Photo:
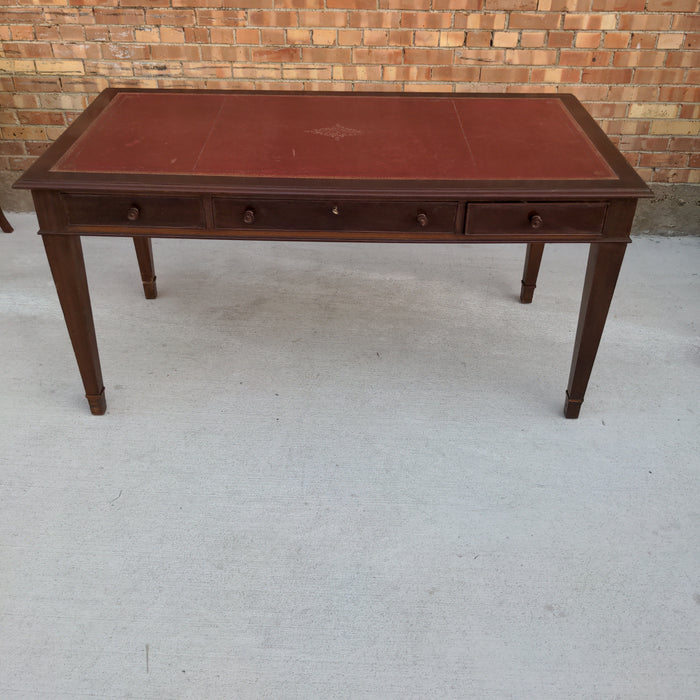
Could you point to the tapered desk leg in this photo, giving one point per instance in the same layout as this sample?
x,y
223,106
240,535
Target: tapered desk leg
x,y
604,261
65,255
144,254
533,258
5,224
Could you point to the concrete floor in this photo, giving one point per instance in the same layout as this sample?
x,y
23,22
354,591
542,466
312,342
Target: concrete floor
x,y
342,471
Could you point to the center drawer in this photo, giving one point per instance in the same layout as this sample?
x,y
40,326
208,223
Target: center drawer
x,y
332,215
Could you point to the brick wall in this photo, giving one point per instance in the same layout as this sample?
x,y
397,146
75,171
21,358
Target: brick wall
x,y
634,63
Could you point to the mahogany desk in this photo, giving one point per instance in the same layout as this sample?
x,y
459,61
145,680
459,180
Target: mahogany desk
x,y
437,168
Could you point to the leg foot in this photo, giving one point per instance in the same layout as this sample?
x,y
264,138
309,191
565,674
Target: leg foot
x,y
144,255
572,407
604,261
98,404
533,258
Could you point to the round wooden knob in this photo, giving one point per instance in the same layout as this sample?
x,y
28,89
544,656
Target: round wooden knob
x,y
248,216
422,218
133,213
535,221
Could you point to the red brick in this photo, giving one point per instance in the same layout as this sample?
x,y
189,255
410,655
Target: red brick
x,y
12,16
687,23
618,5
539,20
37,84
381,20
656,160
461,74
585,58
51,33
658,76
690,144
21,32
176,52
404,4
263,18
227,53
510,5
33,49
560,40
220,18
639,58
616,40
502,74
555,75
386,56
606,75
643,143
683,59
426,20
679,93
400,37
690,112
12,148
409,73
460,5
645,22
643,40
479,39
271,55
119,16
633,93
42,117
323,55
481,56
542,57
351,4
672,6
196,35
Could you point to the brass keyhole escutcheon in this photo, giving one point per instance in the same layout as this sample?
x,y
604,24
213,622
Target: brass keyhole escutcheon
x,y
335,209
422,218
248,216
133,213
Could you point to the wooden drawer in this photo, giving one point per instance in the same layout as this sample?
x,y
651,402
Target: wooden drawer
x,y
525,219
329,215
137,211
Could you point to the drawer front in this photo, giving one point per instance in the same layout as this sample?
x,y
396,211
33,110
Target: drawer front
x,y
539,218
134,211
329,215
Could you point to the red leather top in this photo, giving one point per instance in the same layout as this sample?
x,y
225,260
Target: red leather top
x,y
337,136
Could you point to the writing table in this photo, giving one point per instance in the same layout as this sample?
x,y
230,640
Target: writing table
x,y
422,168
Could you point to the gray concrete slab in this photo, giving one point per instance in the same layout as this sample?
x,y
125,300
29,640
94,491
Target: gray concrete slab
x,y
342,470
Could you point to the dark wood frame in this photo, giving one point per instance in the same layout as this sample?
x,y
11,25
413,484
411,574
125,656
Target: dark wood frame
x,y
612,200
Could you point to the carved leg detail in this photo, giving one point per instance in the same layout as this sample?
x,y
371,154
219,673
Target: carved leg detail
x,y
533,258
604,261
144,255
65,256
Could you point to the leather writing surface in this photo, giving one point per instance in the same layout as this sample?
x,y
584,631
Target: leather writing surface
x,y
337,136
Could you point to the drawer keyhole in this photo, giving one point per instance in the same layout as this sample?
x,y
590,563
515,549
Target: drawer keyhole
x,y
133,213
248,216
422,219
